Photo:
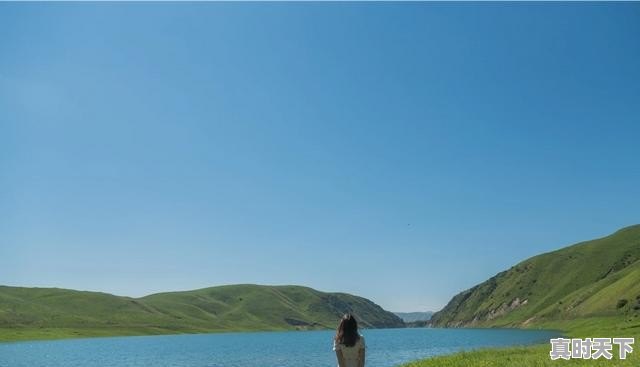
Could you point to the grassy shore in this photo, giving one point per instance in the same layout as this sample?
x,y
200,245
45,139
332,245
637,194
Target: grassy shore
x,y
24,334
538,355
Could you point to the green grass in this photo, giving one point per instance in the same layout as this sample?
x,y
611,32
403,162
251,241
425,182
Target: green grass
x,y
537,356
21,334
50,313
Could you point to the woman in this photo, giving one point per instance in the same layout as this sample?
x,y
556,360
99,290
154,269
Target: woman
x,y
348,344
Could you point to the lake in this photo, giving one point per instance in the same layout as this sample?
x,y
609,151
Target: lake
x,y
385,348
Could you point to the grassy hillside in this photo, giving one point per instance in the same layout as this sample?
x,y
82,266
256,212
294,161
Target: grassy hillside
x,y
594,279
591,289
29,313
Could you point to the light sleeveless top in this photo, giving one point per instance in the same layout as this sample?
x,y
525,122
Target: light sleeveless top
x,y
350,354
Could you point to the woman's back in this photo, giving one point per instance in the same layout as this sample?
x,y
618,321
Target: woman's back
x,y
348,343
351,355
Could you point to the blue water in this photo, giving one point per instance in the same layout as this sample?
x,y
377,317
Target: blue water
x,y
385,348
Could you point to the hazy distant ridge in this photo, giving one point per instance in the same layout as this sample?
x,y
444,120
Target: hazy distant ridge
x,y
414,316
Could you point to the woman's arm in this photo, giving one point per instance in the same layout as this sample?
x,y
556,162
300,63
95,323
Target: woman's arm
x,y
361,357
340,358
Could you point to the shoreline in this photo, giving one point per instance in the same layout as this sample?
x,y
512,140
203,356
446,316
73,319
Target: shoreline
x,y
53,334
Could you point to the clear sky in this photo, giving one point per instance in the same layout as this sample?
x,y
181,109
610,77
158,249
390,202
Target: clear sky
x,y
402,152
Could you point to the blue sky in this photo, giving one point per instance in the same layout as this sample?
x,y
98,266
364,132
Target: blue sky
x,y
402,152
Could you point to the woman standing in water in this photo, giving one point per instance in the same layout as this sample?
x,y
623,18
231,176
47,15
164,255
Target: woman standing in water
x,y
348,344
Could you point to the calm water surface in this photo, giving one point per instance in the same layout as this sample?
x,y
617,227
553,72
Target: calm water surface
x,y
385,348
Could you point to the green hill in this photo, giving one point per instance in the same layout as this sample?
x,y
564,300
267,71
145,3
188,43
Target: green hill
x,y
598,279
27,313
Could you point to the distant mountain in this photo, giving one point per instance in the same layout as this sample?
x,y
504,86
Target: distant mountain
x,y
52,312
414,316
598,278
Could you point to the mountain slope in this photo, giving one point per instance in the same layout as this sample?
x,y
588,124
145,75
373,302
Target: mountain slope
x,y
598,278
236,307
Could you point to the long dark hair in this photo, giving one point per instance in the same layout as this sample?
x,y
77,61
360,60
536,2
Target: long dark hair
x,y
347,333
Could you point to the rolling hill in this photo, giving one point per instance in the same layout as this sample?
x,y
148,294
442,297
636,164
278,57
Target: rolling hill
x,y
596,279
27,313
